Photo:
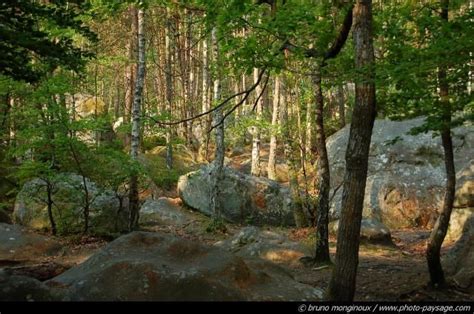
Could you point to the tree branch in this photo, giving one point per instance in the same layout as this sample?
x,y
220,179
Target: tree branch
x,y
220,105
239,104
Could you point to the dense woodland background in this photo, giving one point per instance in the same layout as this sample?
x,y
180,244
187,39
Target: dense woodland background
x,y
126,93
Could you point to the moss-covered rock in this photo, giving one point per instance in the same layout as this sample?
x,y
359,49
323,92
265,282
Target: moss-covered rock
x,y
69,199
243,198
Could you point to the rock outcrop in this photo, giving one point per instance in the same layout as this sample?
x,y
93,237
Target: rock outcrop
x,y
405,183
144,266
371,231
461,257
68,194
269,245
18,244
23,289
163,211
243,198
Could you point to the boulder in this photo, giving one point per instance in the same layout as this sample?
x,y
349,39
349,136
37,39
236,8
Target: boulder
x,y
18,244
457,221
105,214
269,245
23,289
371,231
143,266
465,187
243,198
163,211
461,257
406,175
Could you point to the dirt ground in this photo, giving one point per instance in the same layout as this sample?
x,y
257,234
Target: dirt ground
x,y
385,273
397,273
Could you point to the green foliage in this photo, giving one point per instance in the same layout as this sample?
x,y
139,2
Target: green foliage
x,y
418,42
38,37
216,226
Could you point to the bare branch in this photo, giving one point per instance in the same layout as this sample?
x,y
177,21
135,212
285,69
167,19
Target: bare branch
x,y
239,104
219,106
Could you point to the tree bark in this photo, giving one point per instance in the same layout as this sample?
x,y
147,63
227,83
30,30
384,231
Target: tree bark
x,y
440,229
136,111
255,169
206,125
218,166
130,70
341,106
343,279
169,88
288,141
273,139
322,241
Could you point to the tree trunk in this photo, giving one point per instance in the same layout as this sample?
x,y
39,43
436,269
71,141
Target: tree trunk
x,y
298,213
218,166
343,279
50,203
130,70
441,226
206,106
322,242
341,106
169,88
273,139
309,141
255,170
135,138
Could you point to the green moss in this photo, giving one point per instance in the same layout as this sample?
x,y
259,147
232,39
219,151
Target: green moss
x,y
216,226
430,155
162,176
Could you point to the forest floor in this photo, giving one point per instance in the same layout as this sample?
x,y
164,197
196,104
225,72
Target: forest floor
x,y
385,273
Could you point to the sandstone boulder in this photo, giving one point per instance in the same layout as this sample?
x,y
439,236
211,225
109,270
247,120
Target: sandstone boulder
x,y
163,211
144,266
406,177
244,198
269,245
371,231
461,257
106,214
18,244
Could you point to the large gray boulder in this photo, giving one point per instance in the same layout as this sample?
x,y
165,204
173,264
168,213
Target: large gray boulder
x,y
243,198
143,266
460,259
371,231
18,244
23,289
163,211
406,177
105,213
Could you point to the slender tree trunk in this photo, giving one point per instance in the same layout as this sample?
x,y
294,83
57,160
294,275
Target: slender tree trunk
x,y
343,279
130,69
273,139
255,170
298,213
49,192
341,106
137,101
218,164
169,88
322,240
204,145
309,141
441,226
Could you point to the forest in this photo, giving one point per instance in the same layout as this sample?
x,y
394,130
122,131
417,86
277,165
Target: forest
x,y
237,150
